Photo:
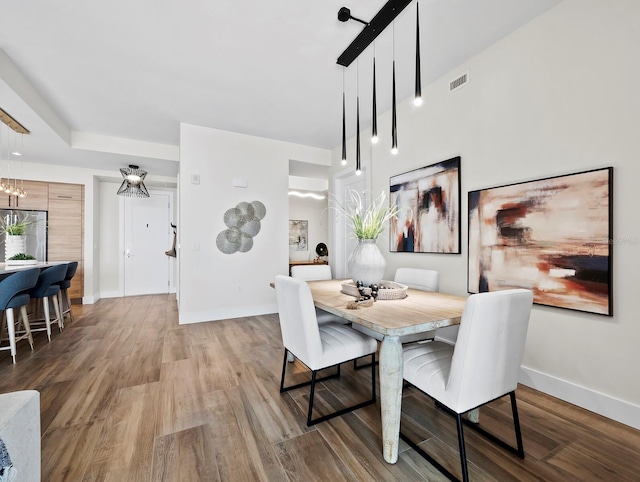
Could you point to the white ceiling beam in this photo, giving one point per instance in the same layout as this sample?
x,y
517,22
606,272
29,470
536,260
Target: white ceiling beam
x,y
119,145
21,86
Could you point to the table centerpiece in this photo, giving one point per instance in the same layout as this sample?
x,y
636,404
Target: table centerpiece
x,y
366,263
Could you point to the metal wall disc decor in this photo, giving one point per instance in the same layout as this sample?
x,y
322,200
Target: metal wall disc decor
x,y
243,223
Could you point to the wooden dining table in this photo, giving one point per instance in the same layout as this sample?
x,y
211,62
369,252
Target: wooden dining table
x,y
420,311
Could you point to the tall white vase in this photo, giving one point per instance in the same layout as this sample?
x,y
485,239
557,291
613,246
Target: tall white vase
x,y
366,263
13,245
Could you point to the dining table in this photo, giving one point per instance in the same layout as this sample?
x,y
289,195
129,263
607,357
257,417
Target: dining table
x,y
418,312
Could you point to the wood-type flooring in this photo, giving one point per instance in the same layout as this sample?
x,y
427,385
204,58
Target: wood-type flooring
x,y
127,394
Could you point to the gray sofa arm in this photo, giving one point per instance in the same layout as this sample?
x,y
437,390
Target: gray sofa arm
x,y
20,431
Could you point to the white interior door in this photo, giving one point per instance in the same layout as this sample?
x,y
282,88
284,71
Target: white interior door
x,y
344,240
147,235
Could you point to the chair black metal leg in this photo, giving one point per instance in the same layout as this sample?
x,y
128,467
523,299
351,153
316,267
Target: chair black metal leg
x,y
303,384
284,369
516,424
463,452
313,382
429,458
311,394
463,456
358,367
373,377
519,450
310,421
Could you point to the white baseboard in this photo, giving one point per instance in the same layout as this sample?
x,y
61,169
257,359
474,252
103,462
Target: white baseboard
x,y
89,300
111,294
605,405
225,314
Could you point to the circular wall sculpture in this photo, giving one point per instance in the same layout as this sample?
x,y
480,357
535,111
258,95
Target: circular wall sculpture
x,y
243,223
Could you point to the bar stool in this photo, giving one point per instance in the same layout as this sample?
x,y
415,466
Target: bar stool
x,y
47,290
64,285
14,294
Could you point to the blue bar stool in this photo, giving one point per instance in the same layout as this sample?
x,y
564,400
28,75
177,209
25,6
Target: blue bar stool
x,y
14,294
47,290
64,285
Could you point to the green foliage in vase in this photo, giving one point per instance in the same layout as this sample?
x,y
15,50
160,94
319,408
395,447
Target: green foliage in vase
x,y
366,222
21,257
15,227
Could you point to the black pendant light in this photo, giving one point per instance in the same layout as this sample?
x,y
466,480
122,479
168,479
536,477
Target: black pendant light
x,y
417,99
374,114
344,125
358,166
394,126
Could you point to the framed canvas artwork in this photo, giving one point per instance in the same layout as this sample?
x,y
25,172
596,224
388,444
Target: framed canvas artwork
x,y
428,202
298,234
552,236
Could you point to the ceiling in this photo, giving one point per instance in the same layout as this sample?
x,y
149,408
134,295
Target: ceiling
x,y
106,84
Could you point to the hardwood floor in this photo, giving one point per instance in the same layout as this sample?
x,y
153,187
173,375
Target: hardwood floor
x,y
129,395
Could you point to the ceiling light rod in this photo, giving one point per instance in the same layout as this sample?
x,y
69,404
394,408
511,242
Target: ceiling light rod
x,y
370,32
12,123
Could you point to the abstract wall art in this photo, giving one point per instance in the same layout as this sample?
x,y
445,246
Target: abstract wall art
x,y
428,201
298,234
552,236
243,224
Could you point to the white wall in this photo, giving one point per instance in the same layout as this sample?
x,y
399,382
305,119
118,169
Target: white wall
x,y
316,213
558,96
214,285
110,254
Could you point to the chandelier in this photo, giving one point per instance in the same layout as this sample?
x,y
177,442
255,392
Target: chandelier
x,y
133,185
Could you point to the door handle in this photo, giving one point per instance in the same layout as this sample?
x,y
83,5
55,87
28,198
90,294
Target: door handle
x,y
129,255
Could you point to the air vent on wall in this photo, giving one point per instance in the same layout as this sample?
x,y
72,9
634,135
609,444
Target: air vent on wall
x,y
459,82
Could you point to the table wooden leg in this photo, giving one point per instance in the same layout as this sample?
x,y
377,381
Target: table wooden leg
x,y
474,415
391,367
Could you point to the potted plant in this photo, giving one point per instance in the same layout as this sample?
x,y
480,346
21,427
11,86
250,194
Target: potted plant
x,y
21,259
367,223
14,229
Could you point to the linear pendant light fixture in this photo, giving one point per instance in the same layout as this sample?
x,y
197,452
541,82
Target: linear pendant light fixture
x,y
344,125
417,99
394,124
358,166
369,33
372,29
374,110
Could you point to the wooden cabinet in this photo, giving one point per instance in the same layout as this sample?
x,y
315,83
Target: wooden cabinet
x,y
66,192
37,197
66,230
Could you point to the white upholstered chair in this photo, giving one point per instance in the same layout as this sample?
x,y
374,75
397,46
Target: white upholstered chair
x,y
311,272
419,279
317,346
482,366
317,272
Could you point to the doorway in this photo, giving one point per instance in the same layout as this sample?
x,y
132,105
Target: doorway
x,y
147,235
343,239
